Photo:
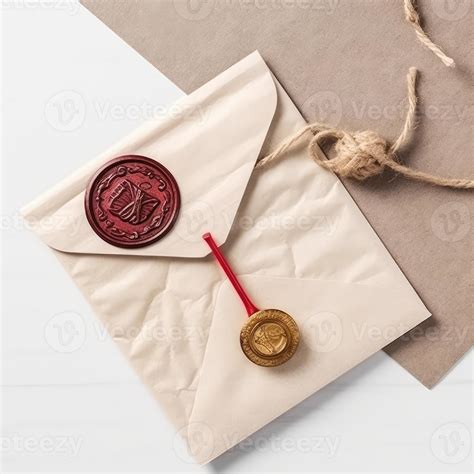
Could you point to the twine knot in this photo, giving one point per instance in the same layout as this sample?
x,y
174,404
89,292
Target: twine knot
x,y
361,155
358,155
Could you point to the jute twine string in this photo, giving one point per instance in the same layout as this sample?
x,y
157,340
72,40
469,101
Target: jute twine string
x,y
413,17
364,154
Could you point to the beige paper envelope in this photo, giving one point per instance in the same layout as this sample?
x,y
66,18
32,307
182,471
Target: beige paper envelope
x,y
291,231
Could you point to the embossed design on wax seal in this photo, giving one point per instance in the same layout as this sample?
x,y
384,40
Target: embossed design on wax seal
x,y
132,201
269,338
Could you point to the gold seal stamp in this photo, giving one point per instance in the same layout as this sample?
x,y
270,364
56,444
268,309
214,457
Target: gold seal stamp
x,y
269,338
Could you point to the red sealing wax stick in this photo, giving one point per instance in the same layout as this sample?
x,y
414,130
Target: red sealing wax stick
x,y
249,306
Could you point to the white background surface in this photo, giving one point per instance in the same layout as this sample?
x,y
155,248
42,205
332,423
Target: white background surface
x,y
71,88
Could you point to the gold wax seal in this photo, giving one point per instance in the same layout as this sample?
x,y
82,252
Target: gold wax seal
x,y
269,338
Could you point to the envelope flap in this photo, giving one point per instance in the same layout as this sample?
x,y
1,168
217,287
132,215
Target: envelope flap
x,y
340,324
210,145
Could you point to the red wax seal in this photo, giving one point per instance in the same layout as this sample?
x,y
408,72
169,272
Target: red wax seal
x,y
132,201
